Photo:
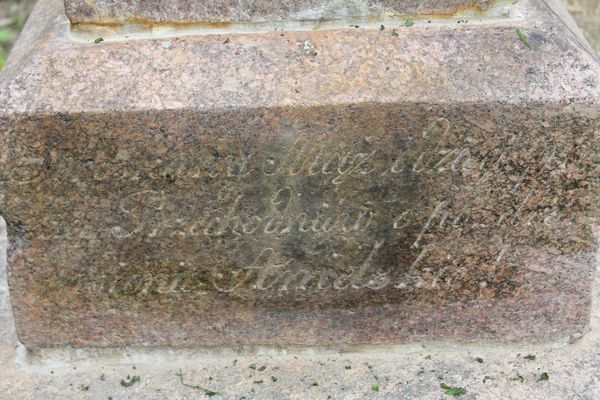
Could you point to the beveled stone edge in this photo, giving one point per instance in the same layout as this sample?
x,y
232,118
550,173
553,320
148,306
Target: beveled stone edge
x,y
50,36
559,8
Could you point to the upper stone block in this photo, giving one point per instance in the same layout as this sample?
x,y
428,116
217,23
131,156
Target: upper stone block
x,y
184,11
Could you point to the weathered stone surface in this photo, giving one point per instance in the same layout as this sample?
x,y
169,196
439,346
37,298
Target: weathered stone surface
x,y
340,186
184,11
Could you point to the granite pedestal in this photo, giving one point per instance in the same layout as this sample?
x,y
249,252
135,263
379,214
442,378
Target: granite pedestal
x,y
381,183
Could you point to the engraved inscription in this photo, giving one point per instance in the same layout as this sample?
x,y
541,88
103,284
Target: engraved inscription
x,y
306,217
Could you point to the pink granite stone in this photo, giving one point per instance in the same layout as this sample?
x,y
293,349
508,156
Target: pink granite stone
x,y
185,11
357,186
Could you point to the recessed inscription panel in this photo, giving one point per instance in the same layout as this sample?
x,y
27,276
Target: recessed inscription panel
x,y
442,223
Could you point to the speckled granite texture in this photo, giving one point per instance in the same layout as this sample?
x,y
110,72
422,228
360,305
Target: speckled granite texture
x,y
390,372
357,186
185,11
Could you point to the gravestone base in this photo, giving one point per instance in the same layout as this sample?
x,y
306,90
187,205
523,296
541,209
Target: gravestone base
x,y
365,185
487,370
